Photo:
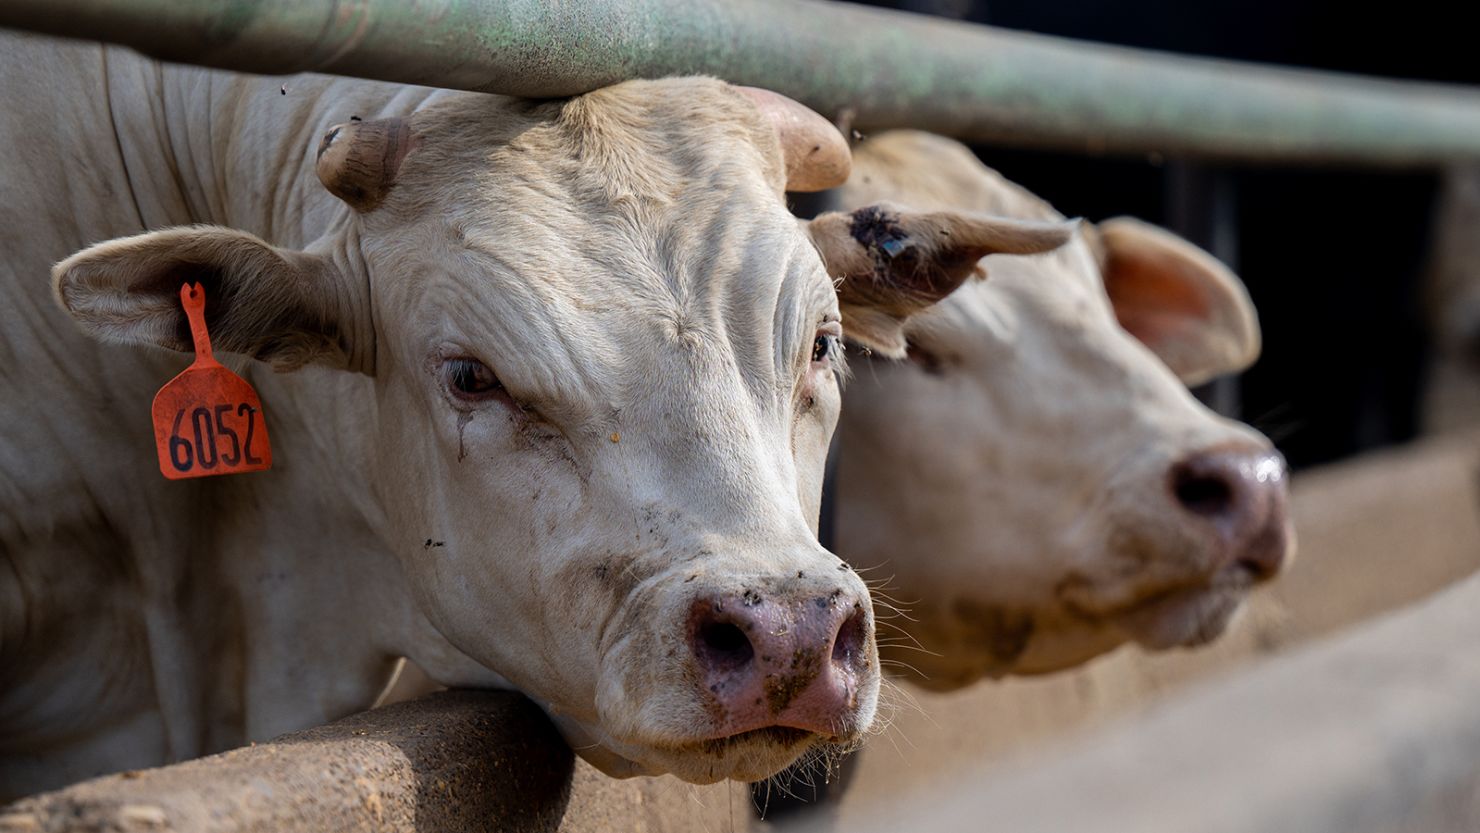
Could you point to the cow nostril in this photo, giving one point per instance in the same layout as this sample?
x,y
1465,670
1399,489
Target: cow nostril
x,y
848,646
723,646
1202,493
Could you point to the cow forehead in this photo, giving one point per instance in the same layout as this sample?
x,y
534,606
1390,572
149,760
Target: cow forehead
x,y
585,312
1022,295
664,189
592,234
631,147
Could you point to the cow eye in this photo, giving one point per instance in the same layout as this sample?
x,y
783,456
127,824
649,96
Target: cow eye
x,y
471,379
822,348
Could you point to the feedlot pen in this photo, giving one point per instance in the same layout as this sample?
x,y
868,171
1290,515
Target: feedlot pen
x,y
1347,699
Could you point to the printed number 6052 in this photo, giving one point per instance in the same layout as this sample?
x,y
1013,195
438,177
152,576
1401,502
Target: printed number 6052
x,y
207,429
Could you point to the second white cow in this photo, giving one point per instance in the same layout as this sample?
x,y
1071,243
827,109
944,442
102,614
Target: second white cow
x,y
1037,485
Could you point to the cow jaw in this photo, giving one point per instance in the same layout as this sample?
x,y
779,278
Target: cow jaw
x,y
1187,618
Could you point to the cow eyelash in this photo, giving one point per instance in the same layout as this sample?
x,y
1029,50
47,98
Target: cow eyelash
x,y
471,379
822,348
827,344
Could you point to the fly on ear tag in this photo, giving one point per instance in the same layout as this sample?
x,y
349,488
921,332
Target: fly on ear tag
x,y
208,420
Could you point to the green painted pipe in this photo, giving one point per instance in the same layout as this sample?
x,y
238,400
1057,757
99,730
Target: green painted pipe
x,y
888,69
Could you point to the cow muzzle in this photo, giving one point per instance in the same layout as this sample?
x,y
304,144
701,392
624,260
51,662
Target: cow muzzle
x,y
712,671
1240,496
796,657
1180,565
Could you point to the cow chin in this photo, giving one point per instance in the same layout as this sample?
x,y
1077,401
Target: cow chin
x,y
645,724
1187,618
960,646
748,756
1183,609
966,641
687,741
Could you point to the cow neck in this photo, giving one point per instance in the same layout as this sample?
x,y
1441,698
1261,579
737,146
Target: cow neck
x,y
239,149
174,619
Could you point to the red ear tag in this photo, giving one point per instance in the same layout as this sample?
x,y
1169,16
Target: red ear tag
x,y
208,420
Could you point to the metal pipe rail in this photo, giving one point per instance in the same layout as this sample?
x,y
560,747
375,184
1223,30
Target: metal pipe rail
x,y
888,69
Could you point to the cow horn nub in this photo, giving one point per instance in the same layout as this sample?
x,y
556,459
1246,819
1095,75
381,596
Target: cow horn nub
x,y
358,160
816,154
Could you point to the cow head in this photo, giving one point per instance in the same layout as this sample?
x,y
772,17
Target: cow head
x,y
605,374
1037,479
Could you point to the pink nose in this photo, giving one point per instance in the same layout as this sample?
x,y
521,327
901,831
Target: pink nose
x,y
794,662
1242,494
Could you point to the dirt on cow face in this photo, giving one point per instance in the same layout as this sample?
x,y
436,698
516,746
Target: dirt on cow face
x,y
878,229
1005,633
806,664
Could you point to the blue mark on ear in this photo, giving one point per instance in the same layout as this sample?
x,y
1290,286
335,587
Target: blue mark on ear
x,y
894,247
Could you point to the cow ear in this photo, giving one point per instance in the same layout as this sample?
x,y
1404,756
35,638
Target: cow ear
x,y
283,307
1178,300
892,262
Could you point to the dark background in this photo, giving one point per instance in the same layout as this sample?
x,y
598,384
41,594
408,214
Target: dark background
x,y
1334,258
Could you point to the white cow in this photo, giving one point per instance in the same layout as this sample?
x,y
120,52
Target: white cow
x,y
1037,481
556,384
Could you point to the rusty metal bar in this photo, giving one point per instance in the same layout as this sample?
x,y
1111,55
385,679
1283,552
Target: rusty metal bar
x,y
888,68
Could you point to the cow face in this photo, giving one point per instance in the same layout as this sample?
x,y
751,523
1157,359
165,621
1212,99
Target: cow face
x,y
604,362
1037,480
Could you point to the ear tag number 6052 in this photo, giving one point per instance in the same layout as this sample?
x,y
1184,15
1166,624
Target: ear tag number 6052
x,y
208,420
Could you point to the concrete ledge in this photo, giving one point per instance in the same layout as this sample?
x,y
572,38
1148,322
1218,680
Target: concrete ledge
x,y
453,761
1370,731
